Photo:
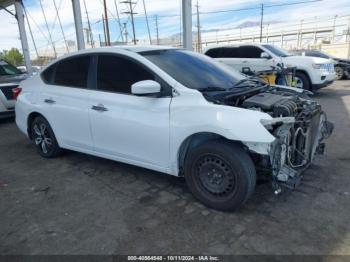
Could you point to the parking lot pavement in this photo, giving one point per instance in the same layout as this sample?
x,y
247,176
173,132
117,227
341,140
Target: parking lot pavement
x,y
79,204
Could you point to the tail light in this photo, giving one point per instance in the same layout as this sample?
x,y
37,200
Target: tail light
x,y
16,91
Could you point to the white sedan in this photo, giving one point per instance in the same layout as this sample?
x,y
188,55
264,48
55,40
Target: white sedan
x,y
176,112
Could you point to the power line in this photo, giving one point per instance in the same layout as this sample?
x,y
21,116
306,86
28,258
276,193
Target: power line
x,y
149,32
120,24
132,13
30,30
59,21
47,26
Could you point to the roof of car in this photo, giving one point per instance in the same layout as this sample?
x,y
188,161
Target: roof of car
x,y
132,48
234,45
111,49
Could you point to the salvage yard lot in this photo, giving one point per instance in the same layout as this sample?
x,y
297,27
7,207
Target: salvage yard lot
x,y
79,204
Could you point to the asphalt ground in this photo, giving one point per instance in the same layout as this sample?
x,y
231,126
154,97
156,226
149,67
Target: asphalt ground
x,y
80,204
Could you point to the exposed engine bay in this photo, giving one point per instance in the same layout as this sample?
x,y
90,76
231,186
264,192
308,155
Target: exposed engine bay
x,y
299,126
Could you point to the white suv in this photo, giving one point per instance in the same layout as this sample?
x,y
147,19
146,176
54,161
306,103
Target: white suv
x,y
312,73
177,112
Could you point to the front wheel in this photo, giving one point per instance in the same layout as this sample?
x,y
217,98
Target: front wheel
x,y
44,139
340,72
302,81
220,174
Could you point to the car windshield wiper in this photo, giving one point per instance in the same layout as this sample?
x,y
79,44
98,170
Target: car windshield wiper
x,y
244,82
212,88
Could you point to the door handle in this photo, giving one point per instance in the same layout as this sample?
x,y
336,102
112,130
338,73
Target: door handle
x,y
49,101
99,108
245,61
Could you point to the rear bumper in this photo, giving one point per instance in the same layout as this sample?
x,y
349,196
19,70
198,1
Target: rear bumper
x,y
7,114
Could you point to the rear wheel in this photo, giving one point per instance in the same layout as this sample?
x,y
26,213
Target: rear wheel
x,y
302,81
44,139
340,72
220,174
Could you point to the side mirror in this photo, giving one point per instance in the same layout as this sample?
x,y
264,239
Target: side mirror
x,y
265,55
146,87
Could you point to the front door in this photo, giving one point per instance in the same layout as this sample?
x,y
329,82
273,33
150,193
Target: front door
x,y
129,128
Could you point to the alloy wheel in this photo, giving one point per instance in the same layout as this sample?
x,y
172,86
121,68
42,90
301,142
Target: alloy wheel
x,y
299,82
42,137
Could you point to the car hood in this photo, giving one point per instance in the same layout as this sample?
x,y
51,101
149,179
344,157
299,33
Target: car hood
x,y
298,60
342,61
14,79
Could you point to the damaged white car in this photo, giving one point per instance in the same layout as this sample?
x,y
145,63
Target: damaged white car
x,y
176,112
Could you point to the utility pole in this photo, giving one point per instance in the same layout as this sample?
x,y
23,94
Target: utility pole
x,y
89,26
157,29
119,23
199,42
59,21
47,27
334,22
78,23
106,23
131,13
300,40
126,33
187,24
261,22
104,30
22,32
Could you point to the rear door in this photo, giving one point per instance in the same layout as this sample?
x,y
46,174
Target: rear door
x,y
227,55
65,101
245,57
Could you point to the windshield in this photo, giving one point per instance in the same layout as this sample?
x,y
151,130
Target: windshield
x,y
194,70
277,51
324,55
7,69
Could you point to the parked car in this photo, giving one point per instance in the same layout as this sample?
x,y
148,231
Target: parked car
x,y
312,73
10,77
176,112
35,69
342,66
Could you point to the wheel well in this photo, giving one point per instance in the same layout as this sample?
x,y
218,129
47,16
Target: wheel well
x,y
30,120
306,74
196,140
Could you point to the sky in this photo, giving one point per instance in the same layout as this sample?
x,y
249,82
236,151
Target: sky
x,y
168,12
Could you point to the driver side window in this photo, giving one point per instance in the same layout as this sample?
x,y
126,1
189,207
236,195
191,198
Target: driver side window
x,y
118,74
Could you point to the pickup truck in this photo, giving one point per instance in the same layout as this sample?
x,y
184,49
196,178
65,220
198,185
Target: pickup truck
x,y
312,73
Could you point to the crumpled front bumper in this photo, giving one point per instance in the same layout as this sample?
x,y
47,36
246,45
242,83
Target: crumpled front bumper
x,y
295,148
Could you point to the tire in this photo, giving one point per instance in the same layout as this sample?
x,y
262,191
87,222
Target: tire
x,y
219,174
302,81
44,138
340,72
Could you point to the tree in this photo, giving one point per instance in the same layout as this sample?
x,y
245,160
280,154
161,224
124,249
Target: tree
x,y
13,56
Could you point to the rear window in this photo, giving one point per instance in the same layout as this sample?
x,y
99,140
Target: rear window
x,y
47,75
71,72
